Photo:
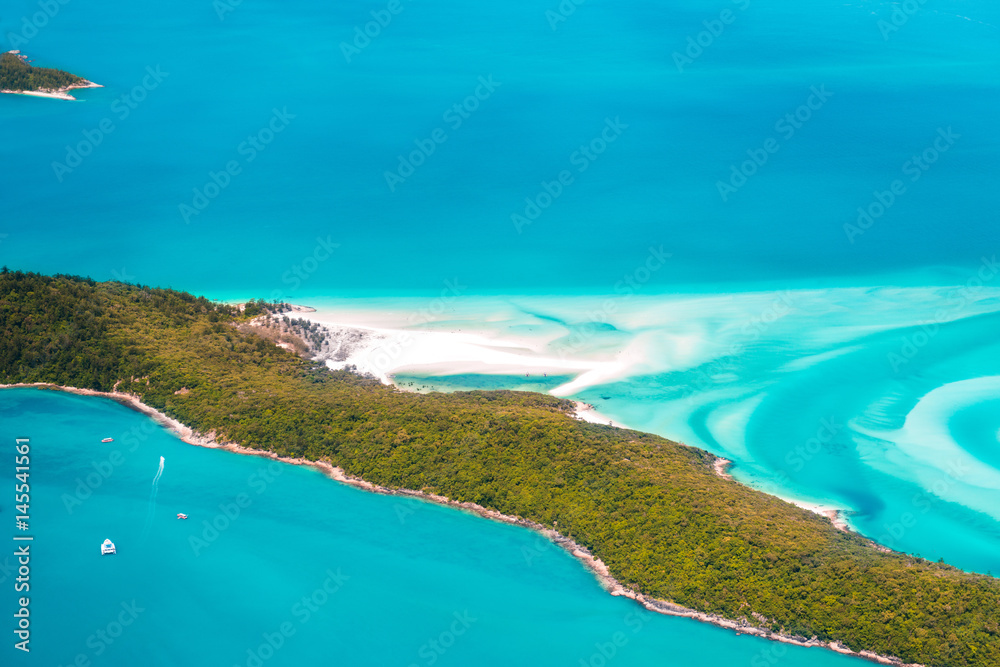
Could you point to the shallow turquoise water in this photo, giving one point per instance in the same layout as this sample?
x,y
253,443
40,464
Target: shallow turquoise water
x,y
323,176
473,382
881,402
311,216
975,425
399,570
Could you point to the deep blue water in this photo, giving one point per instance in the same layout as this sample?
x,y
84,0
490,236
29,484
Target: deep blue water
x,y
622,152
323,175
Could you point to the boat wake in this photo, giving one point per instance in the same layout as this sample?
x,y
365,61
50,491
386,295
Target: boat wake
x,y
151,513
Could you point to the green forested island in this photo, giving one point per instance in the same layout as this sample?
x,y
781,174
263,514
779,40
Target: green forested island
x,y
16,75
653,510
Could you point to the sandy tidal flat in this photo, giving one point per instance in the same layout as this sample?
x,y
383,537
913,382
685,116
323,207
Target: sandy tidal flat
x,y
815,395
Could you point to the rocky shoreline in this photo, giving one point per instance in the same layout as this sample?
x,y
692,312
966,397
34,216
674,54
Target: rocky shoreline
x,y
57,94
581,553
52,93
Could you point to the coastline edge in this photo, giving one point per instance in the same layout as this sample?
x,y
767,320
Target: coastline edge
x,y
581,553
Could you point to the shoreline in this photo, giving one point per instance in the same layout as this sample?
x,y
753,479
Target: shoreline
x,y
834,515
382,352
721,467
386,344
369,338
58,94
590,562
51,93
588,413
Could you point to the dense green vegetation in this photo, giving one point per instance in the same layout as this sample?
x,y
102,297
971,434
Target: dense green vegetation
x,y
15,74
651,509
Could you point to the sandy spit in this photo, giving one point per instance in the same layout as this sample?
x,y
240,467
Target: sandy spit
x,y
60,94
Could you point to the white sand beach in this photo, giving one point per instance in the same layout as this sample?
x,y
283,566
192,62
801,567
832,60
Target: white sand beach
x,y
386,343
60,94
372,347
394,340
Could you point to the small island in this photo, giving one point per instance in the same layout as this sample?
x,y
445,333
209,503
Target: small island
x,y
653,519
17,76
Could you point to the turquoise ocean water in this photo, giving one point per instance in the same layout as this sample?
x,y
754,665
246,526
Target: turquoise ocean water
x,y
323,175
881,402
241,150
275,555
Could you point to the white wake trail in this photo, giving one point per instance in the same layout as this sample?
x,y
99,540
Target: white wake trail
x,y
151,513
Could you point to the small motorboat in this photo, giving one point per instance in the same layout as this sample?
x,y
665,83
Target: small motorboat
x,y
108,440
108,548
182,516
